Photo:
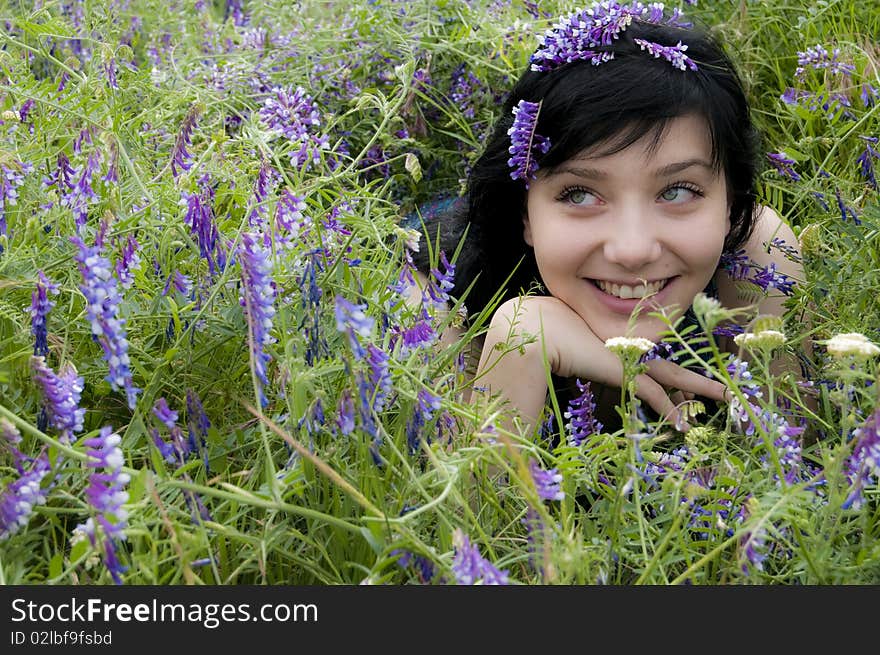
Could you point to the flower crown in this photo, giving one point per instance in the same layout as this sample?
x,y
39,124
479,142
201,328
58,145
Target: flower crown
x,y
585,35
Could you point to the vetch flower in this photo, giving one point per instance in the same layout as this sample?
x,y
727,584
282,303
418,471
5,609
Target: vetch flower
x,y
862,467
525,144
11,179
769,278
547,483
62,393
674,54
469,567
128,262
427,405
258,300
582,422
851,344
18,501
200,219
106,495
784,165
40,306
180,156
294,115
102,308
351,319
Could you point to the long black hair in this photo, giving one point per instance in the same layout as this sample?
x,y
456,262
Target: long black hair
x,y
611,105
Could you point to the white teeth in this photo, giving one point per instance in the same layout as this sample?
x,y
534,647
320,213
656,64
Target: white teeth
x,y
627,292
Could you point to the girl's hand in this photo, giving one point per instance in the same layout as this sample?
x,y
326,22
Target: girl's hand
x,y
514,367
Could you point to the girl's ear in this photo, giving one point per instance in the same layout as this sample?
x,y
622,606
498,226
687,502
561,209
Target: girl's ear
x,y
527,229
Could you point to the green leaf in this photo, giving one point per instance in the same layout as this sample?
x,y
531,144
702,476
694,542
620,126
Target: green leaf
x,y
56,565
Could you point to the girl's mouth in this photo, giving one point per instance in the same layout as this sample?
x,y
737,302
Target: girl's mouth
x,y
628,292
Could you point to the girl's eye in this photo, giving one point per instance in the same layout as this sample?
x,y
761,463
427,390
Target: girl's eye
x,y
679,194
579,196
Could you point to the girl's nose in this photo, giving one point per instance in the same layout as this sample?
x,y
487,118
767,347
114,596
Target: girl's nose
x,y
633,242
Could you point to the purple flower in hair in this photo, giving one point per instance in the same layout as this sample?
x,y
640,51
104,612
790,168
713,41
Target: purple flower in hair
x,y
674,54
525,143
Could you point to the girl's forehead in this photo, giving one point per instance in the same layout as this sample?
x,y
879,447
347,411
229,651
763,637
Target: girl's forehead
x,y
684,136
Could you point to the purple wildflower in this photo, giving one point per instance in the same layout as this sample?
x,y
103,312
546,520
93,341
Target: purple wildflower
x,y
62,393
783,165
547,483
197,421
380,376
845,210
180,156
11,180
736,264
102,308
426,406
581,35
294,115
345,413
818,58
351,320
791,253
769,278
200,219
862,467
582,423
81,194
866,160
40,306
289,219
469,567
179,448
18,501
9,434
440,284
262,187
869,95
258,299
674,54
525,143
128,262
106,494
753,543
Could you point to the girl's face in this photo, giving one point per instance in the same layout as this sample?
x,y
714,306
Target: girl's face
x,y
638,227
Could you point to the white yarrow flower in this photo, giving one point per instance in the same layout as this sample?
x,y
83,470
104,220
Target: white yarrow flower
x,y
763,339
623,346
851,344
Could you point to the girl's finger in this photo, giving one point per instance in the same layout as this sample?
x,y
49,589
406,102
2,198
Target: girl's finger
x,y
655,395
673,375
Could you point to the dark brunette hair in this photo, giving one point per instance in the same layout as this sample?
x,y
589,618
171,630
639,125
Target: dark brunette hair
x,y
611,105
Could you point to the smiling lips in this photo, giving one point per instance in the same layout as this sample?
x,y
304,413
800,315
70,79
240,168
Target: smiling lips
x,y
627,292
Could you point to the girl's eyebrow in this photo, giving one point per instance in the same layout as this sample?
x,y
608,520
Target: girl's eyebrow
x,y
664,171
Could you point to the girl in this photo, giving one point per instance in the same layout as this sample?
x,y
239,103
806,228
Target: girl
x,y
622,167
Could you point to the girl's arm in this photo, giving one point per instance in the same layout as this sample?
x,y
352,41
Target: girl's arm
x,y
532,336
